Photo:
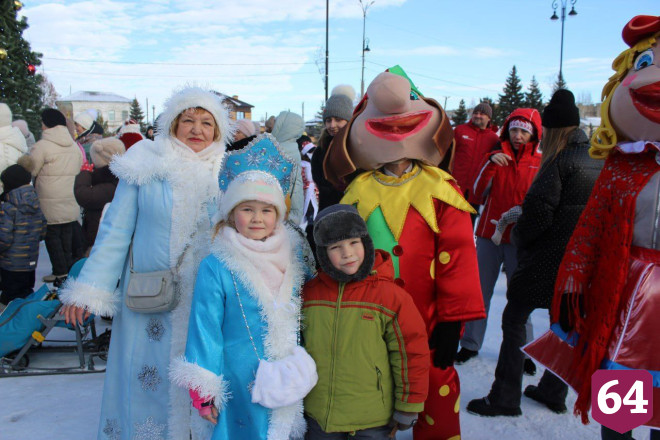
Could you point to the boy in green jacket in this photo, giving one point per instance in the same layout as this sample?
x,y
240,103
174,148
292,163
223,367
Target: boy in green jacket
x,y
365,335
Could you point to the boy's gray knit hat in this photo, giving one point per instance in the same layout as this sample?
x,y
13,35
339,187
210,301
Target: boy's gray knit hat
x,y
336,223
340,103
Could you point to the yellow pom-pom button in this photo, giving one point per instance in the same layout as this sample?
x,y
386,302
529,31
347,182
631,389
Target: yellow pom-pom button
x,y
457,406
444,257
432,269
456,437
444,390
429,420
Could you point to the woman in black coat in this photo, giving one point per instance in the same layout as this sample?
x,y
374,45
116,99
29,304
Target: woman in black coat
x,y
550,211
95,185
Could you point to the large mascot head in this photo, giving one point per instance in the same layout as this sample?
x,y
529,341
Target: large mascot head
x,y
394,121
631,98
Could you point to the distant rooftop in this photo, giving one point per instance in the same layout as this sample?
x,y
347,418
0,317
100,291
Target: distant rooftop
x,y
94,96
233,100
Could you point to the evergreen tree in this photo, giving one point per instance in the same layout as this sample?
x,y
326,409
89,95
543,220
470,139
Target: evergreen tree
x,y
137,115
533,96
104,124
19,86
511,99
559,84
460,115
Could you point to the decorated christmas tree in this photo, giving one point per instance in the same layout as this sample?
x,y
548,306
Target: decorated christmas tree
x,y
19,83
137,115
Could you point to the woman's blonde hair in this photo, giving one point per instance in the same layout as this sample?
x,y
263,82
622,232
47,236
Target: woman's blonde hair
x,y
554,141
175,124
604,138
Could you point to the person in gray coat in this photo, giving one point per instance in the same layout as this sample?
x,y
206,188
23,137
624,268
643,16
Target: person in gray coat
x,y
288,128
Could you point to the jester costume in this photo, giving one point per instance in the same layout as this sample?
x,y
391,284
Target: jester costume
x,y
419,217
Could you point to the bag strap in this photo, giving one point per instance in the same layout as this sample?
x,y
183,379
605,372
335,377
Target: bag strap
x,y
179,261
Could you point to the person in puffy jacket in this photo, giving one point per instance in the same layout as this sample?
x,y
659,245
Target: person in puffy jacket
x,y
22,227
365,334
288,127
95,185
12,141
505,176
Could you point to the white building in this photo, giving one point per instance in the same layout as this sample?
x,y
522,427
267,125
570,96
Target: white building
x,y
113,108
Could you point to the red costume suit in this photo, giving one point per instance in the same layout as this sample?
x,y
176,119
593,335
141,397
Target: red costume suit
x,y
607,294
420,217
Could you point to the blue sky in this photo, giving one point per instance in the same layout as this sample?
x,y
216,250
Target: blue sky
x,y
269,52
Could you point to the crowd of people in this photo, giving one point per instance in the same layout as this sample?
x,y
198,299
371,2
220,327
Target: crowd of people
x,y
269,285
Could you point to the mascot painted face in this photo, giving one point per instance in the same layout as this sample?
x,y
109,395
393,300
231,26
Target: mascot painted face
x,y
394,121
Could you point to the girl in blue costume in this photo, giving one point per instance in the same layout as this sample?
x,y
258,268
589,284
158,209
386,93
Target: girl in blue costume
x,y
163,207
243,364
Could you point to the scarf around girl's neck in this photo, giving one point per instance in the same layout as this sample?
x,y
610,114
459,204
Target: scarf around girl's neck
x,y
272,255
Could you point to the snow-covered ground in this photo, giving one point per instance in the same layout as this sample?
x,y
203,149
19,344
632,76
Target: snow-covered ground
x,y
66,407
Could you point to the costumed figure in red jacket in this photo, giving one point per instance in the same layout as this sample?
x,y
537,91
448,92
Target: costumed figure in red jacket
x,y
402,142
503,180
607,294
474,140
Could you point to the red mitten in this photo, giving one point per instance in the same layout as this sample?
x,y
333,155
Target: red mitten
x,y
200,404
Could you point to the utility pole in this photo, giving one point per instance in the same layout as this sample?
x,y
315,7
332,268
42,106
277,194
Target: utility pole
x,y
153,114
445,106
327,15
147,107
303,111
365,45
554,17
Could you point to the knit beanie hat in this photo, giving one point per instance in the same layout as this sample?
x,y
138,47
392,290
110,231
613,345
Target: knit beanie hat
x,y
340,103
341,222
103,150
84,119
561,111
252,185
5,115
484,108
14,176
522,124
52,117
246,127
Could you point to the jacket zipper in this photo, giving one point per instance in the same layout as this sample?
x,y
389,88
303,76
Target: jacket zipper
x,y
333,349
380,384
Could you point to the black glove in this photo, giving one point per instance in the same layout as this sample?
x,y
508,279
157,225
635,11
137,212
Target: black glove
x,y
444,340
566,311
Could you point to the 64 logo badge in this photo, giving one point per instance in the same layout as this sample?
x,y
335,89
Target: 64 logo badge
x,y
621,399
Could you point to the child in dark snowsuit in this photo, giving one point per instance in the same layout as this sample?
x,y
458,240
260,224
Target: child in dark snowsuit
x,y
22,227
365,334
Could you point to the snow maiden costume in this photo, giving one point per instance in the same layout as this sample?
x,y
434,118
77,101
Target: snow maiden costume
x,y
420,218
163,208
607,293
243,338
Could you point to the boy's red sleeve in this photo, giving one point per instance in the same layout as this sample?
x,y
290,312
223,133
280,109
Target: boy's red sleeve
x,y
408,347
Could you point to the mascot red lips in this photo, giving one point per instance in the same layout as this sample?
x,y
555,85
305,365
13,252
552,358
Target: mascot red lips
x,y
396,128
647,101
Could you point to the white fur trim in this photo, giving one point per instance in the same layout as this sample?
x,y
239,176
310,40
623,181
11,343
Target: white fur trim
x,y
144,162
129,128
636,147
344,89
191,376
191,97
98,301
282,322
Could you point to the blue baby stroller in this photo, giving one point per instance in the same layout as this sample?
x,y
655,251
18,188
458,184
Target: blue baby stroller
x,y
25,324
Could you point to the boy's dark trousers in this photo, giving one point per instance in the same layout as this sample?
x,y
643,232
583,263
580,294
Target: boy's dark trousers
x,y
314,432
59,243
15,285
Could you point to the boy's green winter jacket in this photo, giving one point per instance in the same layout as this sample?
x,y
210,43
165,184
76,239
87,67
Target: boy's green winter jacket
x,y
370,347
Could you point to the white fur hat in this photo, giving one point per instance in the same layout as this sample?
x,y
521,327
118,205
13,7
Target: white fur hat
x,y
102,151
5,115
252,185
84,119
192,97
246,127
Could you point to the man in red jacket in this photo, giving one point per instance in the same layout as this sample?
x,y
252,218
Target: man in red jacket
x,y
473,141
503,180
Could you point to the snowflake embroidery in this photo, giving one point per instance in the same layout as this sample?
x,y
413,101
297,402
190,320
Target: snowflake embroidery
x,y
253,158
149,378
230,174
149,430
155,329
274,163
112,429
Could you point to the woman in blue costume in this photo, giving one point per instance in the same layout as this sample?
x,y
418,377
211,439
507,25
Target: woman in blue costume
x,y
243,337
163,207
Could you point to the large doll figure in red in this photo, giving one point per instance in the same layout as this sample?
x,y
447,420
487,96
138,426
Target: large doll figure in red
x,y
607,293
390,151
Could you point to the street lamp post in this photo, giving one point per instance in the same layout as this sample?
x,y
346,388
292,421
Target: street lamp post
x,y
573,12
365,42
